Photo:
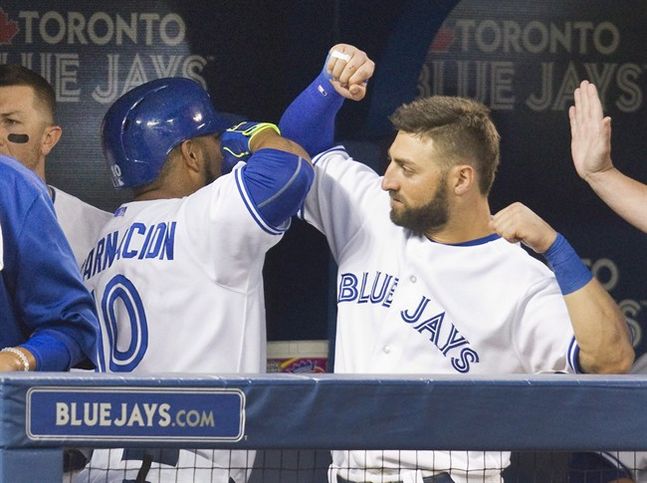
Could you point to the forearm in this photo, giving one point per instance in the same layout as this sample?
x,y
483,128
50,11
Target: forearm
x,y
600,330
310,118
268,138
624,195
599,327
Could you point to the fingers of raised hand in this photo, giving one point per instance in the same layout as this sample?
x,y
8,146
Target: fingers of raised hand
x,y
572,117
349,65
508,221
336,62
362,73
505,230
595,104
338,58
357,92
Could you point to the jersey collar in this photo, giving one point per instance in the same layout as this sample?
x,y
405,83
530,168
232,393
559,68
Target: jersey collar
x,y
471,243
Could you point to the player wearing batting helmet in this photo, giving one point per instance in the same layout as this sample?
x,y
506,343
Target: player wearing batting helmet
x,y
177,273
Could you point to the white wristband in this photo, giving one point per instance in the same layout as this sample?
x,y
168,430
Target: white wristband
x,y
20,355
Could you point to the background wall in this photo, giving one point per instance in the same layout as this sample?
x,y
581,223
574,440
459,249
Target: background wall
x,y
523,58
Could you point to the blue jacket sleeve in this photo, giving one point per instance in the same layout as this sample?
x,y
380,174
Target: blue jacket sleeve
x,y
277,183
310,119
50,299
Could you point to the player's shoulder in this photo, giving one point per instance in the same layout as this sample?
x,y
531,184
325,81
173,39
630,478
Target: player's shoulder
x,y
60,197
336,153
64,201
520,260
341,166
220,193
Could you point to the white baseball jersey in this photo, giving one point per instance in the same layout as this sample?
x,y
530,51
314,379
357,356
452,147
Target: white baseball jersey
x,y
409,305
80,221
179,288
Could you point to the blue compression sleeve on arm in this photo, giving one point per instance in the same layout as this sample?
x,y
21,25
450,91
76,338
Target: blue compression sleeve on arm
x,y
569,270
310,119
277,182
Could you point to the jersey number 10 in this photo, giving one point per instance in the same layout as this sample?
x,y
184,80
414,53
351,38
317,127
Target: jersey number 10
x,y
122,311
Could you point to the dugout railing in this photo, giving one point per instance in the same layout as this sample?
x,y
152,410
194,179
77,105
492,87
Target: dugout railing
x,y
44,412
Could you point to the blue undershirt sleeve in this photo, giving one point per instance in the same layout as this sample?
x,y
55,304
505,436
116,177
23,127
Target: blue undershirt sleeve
x,y
277,183
310,119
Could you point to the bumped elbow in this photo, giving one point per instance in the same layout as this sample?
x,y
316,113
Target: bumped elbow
x,y
621,365
278,183
626,361
626,355
616,360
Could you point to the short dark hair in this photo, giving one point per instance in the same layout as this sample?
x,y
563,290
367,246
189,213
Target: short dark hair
x,y
461,128
17,75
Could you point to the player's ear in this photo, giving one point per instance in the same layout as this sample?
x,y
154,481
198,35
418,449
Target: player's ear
x,y
51,135
191,154
462,178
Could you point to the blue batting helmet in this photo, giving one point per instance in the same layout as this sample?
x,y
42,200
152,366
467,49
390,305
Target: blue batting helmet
x,y
142,127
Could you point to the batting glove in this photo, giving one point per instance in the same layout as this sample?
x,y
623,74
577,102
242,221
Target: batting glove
x,y
235,141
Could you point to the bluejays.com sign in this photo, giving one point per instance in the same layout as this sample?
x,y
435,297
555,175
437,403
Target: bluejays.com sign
x,y
135,414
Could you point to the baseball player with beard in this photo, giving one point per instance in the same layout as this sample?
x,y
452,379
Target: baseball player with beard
x,y
428,280
177,273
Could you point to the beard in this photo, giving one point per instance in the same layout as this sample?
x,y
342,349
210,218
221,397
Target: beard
x,y
428,218
211,167
209,175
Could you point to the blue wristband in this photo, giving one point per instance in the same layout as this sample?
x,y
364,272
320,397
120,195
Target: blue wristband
x,y
569,270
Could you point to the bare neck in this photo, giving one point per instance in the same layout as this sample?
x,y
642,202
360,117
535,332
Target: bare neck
x,y
177,183
468,220
164,192
39,169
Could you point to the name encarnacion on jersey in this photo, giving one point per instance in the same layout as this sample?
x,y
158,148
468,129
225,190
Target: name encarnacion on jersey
x,y
379,289
137,242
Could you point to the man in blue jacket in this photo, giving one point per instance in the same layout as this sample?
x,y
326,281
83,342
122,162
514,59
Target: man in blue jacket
x,y
47,317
